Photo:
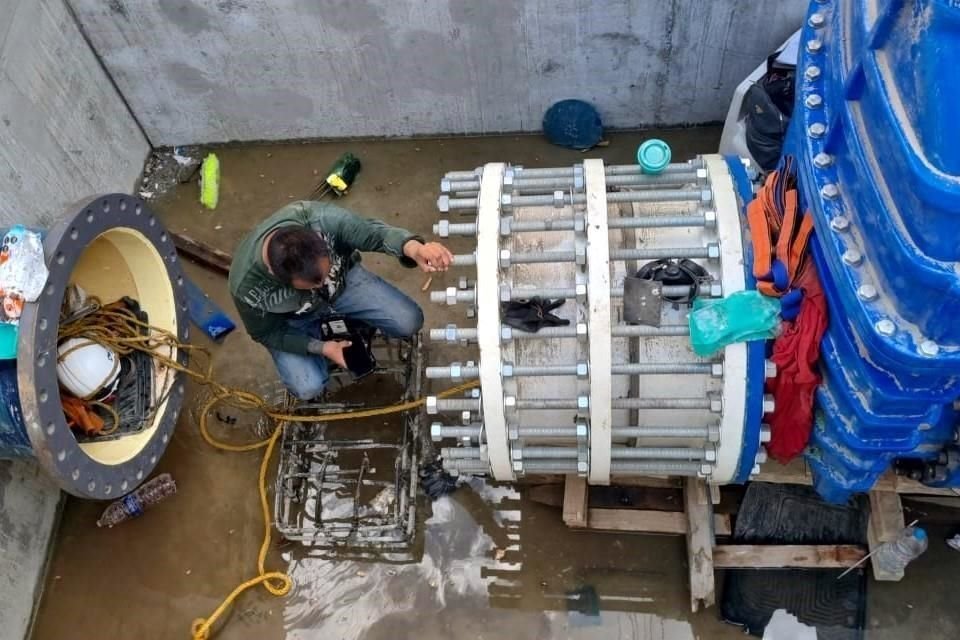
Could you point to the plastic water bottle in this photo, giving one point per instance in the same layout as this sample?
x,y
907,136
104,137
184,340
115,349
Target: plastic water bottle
x,y
894,556
137,501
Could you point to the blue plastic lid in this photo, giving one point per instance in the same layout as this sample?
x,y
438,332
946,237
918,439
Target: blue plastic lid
x,y
653,156
919,533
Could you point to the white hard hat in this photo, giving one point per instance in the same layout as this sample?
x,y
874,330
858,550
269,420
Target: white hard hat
x,y
87,369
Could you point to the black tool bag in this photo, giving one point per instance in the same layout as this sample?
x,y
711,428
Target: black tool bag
x,y
768,106
358,356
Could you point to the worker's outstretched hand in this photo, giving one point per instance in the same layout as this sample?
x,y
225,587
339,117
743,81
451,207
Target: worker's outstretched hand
x,y
430,257
333,350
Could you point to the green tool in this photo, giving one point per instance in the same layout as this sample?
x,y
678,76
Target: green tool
x,y
339,178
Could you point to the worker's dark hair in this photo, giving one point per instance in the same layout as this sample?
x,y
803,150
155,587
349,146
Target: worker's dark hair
x,y
294,251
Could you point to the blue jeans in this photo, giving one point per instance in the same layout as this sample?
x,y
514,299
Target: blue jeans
x,y
365,297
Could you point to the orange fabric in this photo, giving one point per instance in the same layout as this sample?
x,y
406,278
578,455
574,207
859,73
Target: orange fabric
x,y
80,416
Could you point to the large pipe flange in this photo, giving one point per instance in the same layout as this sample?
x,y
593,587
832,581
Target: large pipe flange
x,y
113,246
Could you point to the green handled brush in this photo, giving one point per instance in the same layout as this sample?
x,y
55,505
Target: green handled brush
x,y
339,178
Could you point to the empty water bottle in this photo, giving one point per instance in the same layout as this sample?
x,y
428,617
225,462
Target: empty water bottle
x,y
894,556
137,501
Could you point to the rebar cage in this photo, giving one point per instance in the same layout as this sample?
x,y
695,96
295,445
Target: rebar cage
x,y
348,492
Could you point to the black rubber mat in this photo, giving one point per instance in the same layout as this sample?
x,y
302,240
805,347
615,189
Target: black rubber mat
x,y
793,514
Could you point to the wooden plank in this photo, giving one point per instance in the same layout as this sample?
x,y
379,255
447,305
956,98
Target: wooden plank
x,y
575,493
715,494
700,542
202,253
797,473
728,556
886,522
643,521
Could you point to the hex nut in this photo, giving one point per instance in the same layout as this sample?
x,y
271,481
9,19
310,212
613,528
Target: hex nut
x,y
716,404
436,431
432,405
580,254
504,257
517,467
516,453
505,293
814,46
769,369
929,348
830,191
508,177
716,369
443,204
582,467
558,199
713,432
886,327
465,418
716,290
706,195
581,291
451,333
451,296
713,251
506,370
761,456
816,20
506,200
443,228
582,329
702,176
813,101
456,371
583,402
765,433
769,406
582,370
852,257
755,470
445,185
475,393
710,454
505,225
506,333
816,130
867,292
812,72
710,218
510,402
579,224
581,430
471,312
706,470
822,160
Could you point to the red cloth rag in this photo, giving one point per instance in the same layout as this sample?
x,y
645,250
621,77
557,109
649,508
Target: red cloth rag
x,y
795,352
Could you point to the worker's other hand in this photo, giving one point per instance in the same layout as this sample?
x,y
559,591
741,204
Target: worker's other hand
x,y
430,257
333,350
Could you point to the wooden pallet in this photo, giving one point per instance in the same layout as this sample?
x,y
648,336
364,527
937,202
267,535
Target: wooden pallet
x,y
702,526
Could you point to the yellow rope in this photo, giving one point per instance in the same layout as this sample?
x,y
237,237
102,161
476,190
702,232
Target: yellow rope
x,y
120,330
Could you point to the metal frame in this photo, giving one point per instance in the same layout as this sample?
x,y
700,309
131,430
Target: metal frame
x,y
310,465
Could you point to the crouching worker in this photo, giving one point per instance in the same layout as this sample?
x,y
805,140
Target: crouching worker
x,y
302,264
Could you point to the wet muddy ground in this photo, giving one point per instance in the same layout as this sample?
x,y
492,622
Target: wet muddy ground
x,y
489,562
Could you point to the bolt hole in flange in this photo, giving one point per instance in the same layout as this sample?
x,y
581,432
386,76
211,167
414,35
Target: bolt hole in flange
x,y
111,251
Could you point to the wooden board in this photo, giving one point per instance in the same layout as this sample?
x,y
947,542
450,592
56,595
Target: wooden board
x,y
642,521
202,253
886,522
575,494
728,556
797,473
700,541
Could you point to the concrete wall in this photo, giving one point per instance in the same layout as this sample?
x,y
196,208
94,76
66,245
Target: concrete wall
x,y
64,134
64,131
218,70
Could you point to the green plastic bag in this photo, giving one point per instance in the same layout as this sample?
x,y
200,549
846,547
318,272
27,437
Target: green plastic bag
x,y
742,316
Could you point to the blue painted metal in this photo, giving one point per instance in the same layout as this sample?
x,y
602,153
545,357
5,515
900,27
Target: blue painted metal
x,y
882,110
14,442
756,350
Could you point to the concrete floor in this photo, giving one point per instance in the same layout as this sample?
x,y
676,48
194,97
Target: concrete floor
x,y
151,577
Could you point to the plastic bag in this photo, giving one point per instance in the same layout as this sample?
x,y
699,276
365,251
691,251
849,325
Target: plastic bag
x,y
23,271
742,316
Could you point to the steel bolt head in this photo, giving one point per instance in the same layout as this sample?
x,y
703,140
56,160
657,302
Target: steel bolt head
x,y
582,370
505,293
462,283
822,160
504,257
579,224
451,296
713,432
701,176
558,199
840,223
710,218
817,129
716,369
812,72
710,454
506,200
716,290
516,453
816,20
814,46
765,433
716,404
769,406
886,327
506,370
813,101
471,311
583,402
443,228
713,251
830,191
517,467
465,419
706,195
443,204
852,257
505,225
451,333
506,333
432,405
929,348
769,369
581,290
445,185
755,471
508,178
582,467
456,371
475,393
510,402
761,456
435,431
580,254
581,430
581,328
706,470
867,292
